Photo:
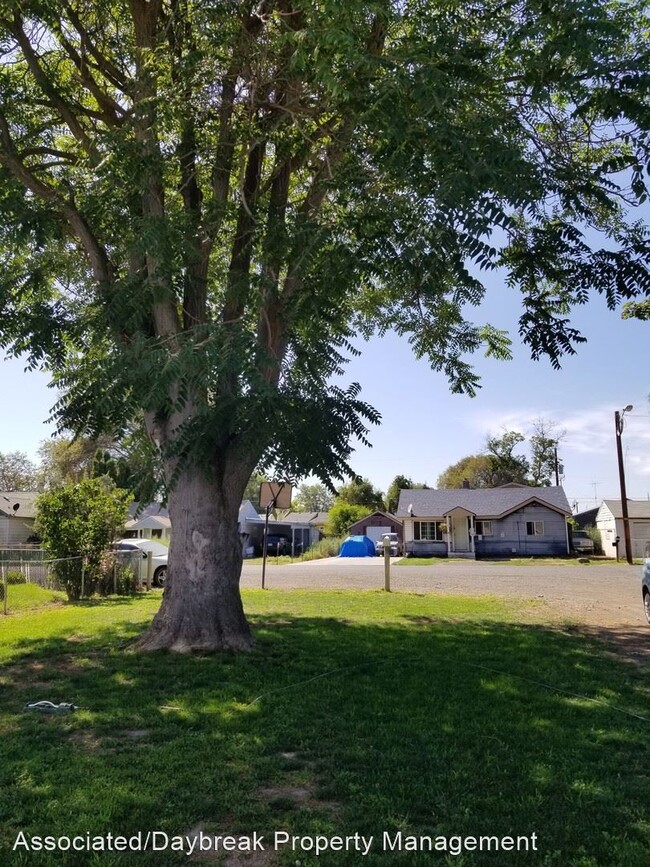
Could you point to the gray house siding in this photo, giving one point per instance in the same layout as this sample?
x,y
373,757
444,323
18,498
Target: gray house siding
x,y
510,535
14,531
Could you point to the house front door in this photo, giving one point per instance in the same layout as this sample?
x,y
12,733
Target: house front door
x,y
461,534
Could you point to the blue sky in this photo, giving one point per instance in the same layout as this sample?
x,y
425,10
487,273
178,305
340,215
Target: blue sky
x,y
424,428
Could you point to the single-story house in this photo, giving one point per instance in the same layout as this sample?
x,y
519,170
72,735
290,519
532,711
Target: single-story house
x,y
151,522
511,520
17,517
609,520
375,525
315,520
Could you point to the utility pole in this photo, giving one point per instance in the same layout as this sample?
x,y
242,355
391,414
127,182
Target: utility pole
x,y
618,423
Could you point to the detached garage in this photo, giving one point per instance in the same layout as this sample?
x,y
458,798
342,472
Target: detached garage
x,y
375,525
609,521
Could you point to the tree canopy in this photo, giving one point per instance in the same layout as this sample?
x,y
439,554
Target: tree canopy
x,y
499,464
202,203
312,498
476,470
360,492
399,483
17,472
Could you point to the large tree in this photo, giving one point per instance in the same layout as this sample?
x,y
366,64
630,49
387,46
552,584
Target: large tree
x,y
476,470
507,465
201,203
399,483
360,492
314,497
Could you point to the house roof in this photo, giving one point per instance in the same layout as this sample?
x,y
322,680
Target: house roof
x,y
635,508
25,500
315,518
151,510
483,502
151,522
392,518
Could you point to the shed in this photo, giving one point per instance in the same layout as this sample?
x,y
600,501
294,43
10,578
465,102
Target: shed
x,y
375,525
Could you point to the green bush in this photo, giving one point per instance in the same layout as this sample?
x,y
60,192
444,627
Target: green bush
x,y
15,576
115,577
77,524
328,547
594,535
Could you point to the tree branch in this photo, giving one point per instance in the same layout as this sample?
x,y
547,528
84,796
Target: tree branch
x,y
99,261
104,65
47,86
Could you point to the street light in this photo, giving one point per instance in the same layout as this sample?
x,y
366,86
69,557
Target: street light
x,y
618,423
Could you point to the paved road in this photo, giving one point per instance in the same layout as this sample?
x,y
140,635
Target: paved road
x,y
597,594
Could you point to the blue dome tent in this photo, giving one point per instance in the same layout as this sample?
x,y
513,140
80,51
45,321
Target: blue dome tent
x,y
357,546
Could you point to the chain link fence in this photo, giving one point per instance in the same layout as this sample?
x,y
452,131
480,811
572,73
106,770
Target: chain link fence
x,y
24,570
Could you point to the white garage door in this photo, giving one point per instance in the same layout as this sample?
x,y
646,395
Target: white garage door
x,y
375,533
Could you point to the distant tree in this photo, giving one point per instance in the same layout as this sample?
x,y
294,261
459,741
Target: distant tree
x,y
252,489
399,483
17,472
313,498
475,469
543,448
65,460
506,465
342,515
133,463
361,492
79,520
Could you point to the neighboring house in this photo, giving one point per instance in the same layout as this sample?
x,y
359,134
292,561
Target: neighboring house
x,y
375,525
151,522
511,520
609,521
315,520
302,529
17,516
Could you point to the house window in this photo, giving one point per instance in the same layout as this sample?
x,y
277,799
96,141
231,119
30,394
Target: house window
x,y
427,531
484,528
534,528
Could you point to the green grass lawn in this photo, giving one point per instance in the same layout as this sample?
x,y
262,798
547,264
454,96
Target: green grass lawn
x,y
356,713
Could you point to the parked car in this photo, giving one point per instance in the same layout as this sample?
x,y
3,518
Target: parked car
x,y
394,544
159,554
645,588
277,544
582,543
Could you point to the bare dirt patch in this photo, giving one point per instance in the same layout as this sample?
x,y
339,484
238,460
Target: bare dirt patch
x,y
213,855
631,643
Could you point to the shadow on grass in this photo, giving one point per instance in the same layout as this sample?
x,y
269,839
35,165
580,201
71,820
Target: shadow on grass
x,y
433,728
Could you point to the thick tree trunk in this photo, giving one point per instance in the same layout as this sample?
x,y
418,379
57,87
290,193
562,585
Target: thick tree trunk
x,y
202,608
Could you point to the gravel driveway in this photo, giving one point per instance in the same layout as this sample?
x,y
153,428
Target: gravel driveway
x,y
595,594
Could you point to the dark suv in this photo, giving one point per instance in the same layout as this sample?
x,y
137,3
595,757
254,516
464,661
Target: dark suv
x,y
276,544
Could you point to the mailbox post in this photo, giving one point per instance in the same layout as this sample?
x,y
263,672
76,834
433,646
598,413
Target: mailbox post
x,y
386,542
